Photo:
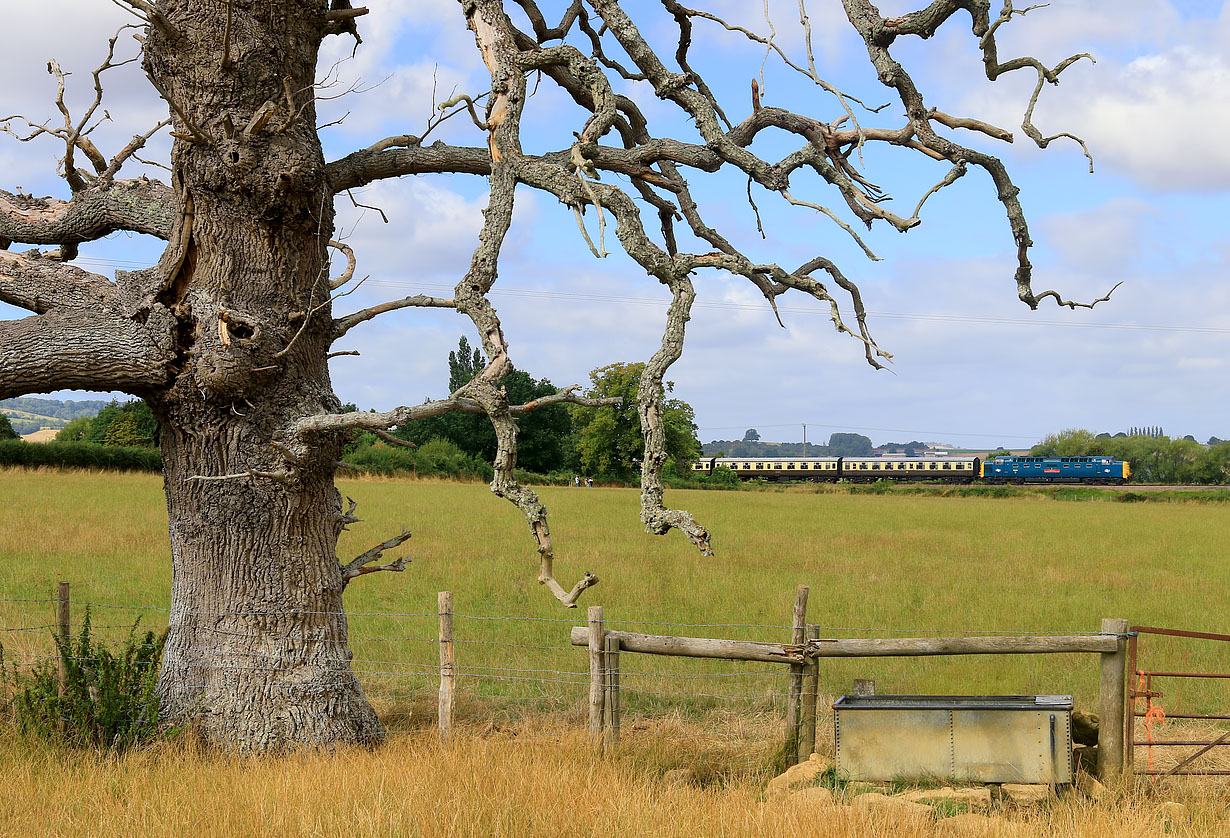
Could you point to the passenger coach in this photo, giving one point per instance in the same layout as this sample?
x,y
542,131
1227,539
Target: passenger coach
x,y
854,469
774,468
947,469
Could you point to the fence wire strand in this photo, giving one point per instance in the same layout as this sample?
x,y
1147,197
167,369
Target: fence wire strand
x,y
518,667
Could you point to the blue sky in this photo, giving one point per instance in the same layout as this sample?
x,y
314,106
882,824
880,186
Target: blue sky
x,y
973,365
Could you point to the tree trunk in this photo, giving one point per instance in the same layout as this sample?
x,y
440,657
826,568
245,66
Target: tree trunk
x,y
257,652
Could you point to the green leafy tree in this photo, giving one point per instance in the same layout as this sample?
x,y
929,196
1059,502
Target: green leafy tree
x,y
1214,466
6,429
751,435
849,445
542,434
137,409
75,430
124,432
1072,442
609,438
1154,458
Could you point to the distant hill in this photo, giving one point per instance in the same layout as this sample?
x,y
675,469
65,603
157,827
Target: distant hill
x,y
28,415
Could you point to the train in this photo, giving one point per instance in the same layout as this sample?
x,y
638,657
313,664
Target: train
x,y
998,469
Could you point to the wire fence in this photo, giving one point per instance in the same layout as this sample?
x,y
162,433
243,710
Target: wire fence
x,y
507,668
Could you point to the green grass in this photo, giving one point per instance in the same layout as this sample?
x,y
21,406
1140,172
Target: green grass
x,y
878,565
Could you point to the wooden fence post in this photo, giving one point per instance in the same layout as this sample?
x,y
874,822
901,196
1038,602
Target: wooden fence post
x,y
63,628
1112,705
597,678
795,686
811,686
611,651
448,674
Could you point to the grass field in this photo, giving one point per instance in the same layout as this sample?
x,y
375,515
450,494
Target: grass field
x,y
891,565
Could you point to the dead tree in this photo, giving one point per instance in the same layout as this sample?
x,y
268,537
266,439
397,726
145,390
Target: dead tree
x,y
228,336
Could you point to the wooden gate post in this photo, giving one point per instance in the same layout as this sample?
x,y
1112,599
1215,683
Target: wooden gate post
x,y
63,628
611,652
794,692
597,678
448,673
811,685
1112,703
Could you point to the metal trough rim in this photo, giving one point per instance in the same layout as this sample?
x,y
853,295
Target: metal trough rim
x,y
953,702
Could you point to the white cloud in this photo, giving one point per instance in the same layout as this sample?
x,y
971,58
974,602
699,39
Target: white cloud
x,y
1102,240
430,233
1163,119
1156,106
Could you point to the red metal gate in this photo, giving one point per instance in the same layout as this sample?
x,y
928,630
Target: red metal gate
x,y
1142,687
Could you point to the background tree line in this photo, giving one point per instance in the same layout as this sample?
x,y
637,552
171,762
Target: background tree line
x,y
554,444
839,445
1154,459
29,414
121,437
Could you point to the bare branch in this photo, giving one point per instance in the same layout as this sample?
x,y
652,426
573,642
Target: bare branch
x,y
1059,300
129,151
153,16
649,403
39,284
334,15
358,565
94,348
195,134
954,173
970,124
141,206
330,423
392,440
351,263
469,103
283,477
342,325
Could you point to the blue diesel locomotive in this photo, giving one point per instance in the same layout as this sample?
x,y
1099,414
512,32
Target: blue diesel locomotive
x,y
1056,470
914,469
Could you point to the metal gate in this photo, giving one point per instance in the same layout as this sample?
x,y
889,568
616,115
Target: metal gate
x,y
1141,686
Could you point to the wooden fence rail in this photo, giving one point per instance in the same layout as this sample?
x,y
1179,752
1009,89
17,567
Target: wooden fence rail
x,y
802,658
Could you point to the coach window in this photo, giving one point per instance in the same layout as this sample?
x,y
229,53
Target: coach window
x,y
789,466
777,465
947,466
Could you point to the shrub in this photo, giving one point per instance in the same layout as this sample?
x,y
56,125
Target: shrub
x,y
108,700
78,455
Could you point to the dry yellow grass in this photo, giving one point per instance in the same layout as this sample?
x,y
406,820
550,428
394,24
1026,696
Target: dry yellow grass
x,y
538,781
44,435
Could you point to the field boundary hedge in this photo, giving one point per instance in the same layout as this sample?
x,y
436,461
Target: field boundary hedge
x,y
16,452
